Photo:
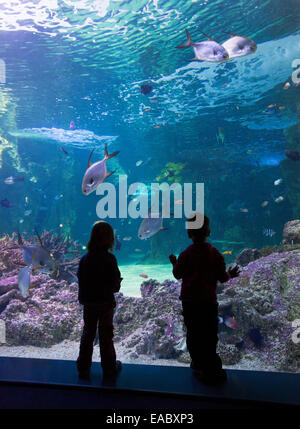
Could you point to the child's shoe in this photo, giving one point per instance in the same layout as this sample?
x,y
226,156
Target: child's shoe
x,y
83,373
114,371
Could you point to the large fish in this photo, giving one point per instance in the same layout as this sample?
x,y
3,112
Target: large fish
x,y
209,50
239,46
150,226
96,173
36,258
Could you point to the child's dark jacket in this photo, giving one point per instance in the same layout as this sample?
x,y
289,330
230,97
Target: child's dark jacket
x,y
200,267
98,278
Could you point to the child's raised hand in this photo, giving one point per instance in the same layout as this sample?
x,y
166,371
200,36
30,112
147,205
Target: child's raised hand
x,y
234,272
173,259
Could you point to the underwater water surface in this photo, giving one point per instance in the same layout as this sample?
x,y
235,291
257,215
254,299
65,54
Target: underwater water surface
x,y
80,75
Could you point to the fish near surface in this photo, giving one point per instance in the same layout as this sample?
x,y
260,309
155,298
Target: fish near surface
x,y
96,173
209,50
239,46
150,226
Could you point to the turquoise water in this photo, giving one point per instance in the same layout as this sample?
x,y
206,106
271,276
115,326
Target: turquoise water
x,y
73,77
86,61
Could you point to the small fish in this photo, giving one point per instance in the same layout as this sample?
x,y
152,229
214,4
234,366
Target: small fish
x,y
265,203
281,107
58,197
256,336
239,46
138,163
179,202
150,226
21,220
279,199
127,238
72,125
272,108
287,86
267,232
26,201
64,150
83,247
220,136
231,322
147,109
11,180
156,126
145,276
36,258
96,173
153,101
27,212
278,182
208,50
227,252
138,250
146,89
244,210
293,155
6,203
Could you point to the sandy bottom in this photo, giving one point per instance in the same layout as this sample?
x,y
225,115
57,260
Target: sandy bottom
x,y
68,350
131,276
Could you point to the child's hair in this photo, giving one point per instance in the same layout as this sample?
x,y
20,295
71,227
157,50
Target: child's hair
x,y
199,235
102,237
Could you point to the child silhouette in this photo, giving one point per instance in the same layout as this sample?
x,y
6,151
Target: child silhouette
x,y
200,267
98,278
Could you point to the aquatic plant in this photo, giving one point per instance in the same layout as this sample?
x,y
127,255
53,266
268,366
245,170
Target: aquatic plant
x,y
64,251
171,172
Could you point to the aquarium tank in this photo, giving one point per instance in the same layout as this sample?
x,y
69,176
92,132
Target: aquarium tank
x,y
157,92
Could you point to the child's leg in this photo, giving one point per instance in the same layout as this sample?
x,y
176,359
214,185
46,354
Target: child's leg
x,y
212,361
107,350
201,320
90,318
192,321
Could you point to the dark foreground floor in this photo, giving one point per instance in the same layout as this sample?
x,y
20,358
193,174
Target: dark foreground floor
x,y
54,384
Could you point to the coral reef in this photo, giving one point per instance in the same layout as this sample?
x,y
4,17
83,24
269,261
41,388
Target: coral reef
x,y
264,299
171,172
291,232
48,316
65,253
246,256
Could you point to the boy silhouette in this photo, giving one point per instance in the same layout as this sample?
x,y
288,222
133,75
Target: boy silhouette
x,y
200,267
